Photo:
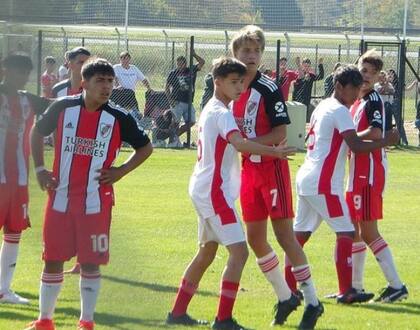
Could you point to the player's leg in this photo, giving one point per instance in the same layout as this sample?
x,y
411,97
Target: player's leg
x,y
90,283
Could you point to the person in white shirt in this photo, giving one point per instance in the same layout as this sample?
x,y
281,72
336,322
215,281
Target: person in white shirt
x,y
214,188
63,70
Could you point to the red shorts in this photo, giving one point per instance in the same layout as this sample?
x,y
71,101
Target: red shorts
x,y
69,234
365,205
266,191
14,208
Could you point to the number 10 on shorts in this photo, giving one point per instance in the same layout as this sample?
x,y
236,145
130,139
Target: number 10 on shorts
x,y
99,243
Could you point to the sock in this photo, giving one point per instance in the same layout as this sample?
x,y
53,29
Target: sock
x,y
48,294
303,276
343,248
227,299
358,260
185,292
90,284
269,265
288,274
384,257
8,257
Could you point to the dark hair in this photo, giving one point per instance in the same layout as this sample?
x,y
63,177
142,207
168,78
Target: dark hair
x,y
348,74
72,54
49,60
125,54
16,61
306,60
181,59
97,66
283,59
223,66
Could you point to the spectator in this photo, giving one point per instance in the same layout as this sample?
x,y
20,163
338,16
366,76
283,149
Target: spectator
x,y
63,70
177,88
417,120
302,91
48,78
329,82
286,76
165,127
208,90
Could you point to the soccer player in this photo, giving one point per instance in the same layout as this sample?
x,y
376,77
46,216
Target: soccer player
x,y
214,187
17,110
366,183
89,132
265,192
320,180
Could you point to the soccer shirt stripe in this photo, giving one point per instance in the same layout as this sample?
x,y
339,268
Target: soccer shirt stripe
x,y
327,171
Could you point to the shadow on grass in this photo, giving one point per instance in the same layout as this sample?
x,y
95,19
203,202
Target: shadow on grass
x,y
154,286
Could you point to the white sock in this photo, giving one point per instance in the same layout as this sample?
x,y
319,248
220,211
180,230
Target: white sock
x,y
384,257
303,277
269,265
8,257
90,284
358,259
48,294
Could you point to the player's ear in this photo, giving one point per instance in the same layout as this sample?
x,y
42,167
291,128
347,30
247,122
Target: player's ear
x,y
84,83
217,81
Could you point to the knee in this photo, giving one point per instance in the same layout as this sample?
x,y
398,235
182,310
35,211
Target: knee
x,y
205,259
239,256
89,268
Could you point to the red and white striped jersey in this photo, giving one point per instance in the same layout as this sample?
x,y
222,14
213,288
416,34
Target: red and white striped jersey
x,y
260,108
85,143
214,184
16,118
324,167
63,88
368,168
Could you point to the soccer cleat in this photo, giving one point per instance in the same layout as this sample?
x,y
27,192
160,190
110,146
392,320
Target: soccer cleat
x,y
331,296
13,298
228,324
41,325
354,296
299,294
389,294
86,325
310,316
283,309
184,320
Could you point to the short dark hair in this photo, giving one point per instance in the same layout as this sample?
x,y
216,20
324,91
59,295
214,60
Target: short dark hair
x,y
348,74
181,59
125,54
49,60
306,60
18,61
72,54
97,66
223,66
283,59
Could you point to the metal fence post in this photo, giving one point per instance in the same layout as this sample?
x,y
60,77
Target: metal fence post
x,y
348,47
339,53
190,91
401,87
278,63
65,40
166,46
118,40
83,41
173,55
418,73
39,65
316,66
226,43
287,46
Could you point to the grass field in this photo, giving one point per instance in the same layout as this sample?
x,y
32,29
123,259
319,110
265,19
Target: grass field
x,y
154,237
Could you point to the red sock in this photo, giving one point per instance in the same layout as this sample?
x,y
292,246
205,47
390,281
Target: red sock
x,y
228,293
185,293
343,265
288,274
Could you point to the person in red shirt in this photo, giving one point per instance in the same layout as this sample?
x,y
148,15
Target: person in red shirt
x,y
48,78
17,109
286,76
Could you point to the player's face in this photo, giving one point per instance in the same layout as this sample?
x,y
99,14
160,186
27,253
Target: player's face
x,y
283,65
231,86
99,88
181,65
250,54
306,67
349,94
125,60
76,64
370,76
16,77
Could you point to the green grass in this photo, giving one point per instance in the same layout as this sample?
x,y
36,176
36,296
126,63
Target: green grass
x,y
154,237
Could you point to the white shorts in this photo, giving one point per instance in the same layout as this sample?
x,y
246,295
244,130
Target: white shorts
x,y
212,230
311,210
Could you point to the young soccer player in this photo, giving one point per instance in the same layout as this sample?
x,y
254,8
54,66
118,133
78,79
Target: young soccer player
x,y
320,180
89,132
17,110
366,183
265,192
214,187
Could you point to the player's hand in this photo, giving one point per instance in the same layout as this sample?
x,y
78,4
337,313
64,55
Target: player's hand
x,y
109,176
46,180
282,150
392,137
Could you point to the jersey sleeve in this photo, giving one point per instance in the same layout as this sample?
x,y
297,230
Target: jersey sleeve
x,y
226,124
39,104
276,109
343,120
47,122
374,113
131,133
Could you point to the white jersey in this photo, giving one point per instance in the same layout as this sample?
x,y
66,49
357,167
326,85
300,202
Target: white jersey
x,y
324,167
63,73
127,78
214,184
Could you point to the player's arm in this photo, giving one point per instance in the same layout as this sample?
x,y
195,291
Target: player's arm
x,y
358,145
275,136
374,113
146,84
199,59
247,146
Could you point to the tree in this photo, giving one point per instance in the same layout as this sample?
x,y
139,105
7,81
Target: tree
x,y
281,14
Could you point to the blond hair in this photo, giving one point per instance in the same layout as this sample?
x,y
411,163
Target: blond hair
x,y
373,58
247,33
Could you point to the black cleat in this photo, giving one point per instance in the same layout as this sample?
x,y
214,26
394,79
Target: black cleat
x,y
299,294
228,324
354,296
389,294
310,316
184,320
283,309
